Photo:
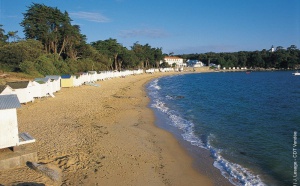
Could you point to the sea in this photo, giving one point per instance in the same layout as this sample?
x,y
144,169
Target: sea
x,y
248,122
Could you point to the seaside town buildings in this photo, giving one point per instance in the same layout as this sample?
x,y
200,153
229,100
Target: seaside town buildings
x,y
174,60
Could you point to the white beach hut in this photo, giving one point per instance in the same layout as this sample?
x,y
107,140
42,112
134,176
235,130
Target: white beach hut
x,y
101,76
109,74
150,71
9,135
56,82
36,90
93,76
8,122
78,81
46,86
83,78
5,89
23,90
139,71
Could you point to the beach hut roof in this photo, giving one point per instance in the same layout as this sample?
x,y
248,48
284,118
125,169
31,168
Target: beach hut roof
x,y
92,72
18,84
9,101
67,76
54,77
42,80
3,87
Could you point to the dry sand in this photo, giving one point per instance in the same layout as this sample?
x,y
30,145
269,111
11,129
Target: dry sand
x,y
102,136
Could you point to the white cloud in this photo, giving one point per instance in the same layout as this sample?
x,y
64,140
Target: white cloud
x,y
151,33
90,16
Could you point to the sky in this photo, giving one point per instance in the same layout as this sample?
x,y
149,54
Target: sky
x,y
178,26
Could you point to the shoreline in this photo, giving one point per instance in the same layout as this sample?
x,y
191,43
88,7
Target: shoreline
x,y
202,158
103,135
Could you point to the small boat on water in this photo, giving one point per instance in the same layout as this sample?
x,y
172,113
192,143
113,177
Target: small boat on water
x,y
296,73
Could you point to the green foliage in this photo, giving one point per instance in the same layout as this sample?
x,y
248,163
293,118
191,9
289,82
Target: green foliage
x,y
13,54
61,66
72,65
28,67
110,48
3,37
164,65
49,31
54,29
280,58
148,56
13,35
158,56
86,65
129,59
101,60
45,66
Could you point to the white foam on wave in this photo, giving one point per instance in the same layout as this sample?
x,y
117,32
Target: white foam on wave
x,y
169,97
154,85
187,128
160,106
235,173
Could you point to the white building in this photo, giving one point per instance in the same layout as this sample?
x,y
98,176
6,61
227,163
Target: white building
x,y
272,49
214,65
9,133
5,89
173,59
194,63
23,90
8,122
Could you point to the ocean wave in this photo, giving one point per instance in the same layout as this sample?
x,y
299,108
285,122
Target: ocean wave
x,y
235,173
154,85
169,97
160,106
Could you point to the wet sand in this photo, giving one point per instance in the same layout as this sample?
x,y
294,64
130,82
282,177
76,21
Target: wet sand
x,y
103,135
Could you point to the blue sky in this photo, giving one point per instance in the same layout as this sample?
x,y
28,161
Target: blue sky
x,y
179,26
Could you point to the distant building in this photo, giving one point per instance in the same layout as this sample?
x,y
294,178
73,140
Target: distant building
x,y
214,65
272,49
194,63
173,59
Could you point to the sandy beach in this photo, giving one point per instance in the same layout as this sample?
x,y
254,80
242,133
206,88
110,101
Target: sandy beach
x,y
102,135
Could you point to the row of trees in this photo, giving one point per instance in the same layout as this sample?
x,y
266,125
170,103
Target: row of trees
x,y
52,45
280,58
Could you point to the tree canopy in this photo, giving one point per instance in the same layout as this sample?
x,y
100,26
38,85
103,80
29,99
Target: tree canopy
x,y
280,58
52,42
53,28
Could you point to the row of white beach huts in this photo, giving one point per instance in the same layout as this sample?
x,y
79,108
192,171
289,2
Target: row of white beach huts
x,y
27,91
